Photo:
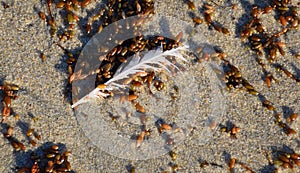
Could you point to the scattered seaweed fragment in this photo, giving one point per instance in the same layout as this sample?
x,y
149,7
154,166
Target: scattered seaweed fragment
x,y
234,162
231,129
15,143
292,118
190,4
114,11
117,10
208,10
52,159
263,42
204,164
9,93
103,15
284,158
234,80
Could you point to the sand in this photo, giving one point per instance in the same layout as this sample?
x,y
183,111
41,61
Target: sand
x,y
24,35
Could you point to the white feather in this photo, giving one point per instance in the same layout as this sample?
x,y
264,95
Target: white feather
x,y
154,60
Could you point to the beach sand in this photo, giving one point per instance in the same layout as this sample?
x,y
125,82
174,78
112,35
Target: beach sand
x,y
24,36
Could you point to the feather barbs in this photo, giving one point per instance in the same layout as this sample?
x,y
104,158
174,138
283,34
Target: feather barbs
x,y
154,60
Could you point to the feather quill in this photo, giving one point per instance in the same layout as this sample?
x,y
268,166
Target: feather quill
x,y
154,60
